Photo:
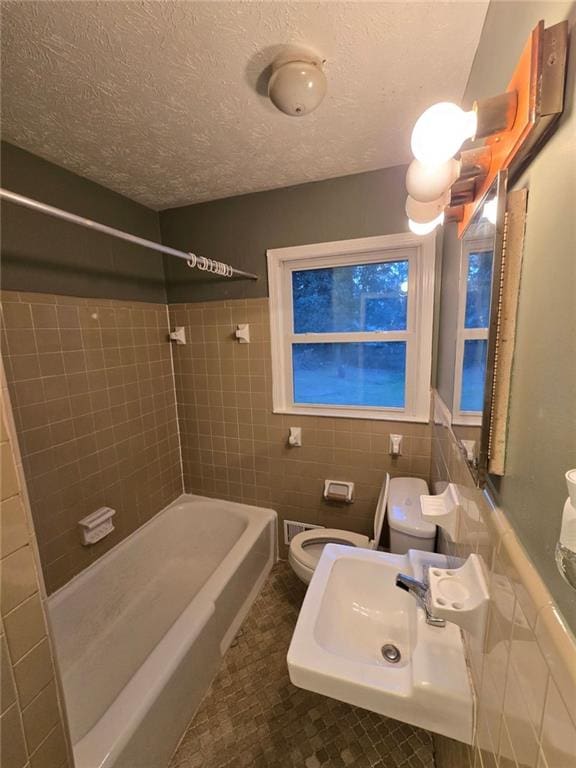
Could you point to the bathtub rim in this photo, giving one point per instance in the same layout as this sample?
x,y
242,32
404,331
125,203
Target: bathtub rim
x,y
55,598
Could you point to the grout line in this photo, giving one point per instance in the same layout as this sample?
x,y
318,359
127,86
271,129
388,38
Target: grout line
x,y
40,692
31,650
16,705
44,740
540,729
26,599
17,701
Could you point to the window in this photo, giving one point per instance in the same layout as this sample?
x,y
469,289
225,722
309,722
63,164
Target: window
x,y
472,337
352,327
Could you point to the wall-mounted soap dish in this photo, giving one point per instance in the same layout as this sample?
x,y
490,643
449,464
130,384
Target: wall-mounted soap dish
x,y
96,525
443,510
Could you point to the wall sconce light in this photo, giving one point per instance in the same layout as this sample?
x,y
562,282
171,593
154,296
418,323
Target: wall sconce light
x,y
419,228
425,217
442,186
429,182
440,131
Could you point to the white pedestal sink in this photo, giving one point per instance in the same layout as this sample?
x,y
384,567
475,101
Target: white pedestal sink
x,y
353,609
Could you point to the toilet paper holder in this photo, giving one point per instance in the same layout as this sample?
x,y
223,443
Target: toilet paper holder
x,y
339,490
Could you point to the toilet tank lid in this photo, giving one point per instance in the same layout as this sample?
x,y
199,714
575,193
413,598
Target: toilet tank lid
x,y
404,508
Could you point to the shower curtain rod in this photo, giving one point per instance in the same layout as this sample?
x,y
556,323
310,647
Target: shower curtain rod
x,y
206,265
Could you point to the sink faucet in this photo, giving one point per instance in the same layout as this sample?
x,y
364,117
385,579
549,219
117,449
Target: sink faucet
x,y
420,590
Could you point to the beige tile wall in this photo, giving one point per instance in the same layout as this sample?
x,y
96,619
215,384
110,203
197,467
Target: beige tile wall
x,y
524,671
234,447
32,724
92,391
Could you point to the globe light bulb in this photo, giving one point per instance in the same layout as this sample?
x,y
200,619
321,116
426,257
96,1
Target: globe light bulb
x,y
428,182
440,131
422,213
425,229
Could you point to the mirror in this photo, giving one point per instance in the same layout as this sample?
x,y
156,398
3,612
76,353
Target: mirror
x,y
468,326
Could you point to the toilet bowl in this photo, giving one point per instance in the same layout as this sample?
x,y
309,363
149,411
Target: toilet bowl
x,y
408,530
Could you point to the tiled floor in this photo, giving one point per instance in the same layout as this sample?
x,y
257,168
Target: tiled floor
x,y
253,716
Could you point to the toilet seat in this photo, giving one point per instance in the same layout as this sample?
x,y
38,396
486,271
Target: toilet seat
x,y
306,548
301,545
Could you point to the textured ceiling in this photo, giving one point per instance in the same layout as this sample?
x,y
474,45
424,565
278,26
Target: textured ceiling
x,y
163,101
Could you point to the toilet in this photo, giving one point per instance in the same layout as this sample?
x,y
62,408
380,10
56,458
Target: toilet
x,y
408,530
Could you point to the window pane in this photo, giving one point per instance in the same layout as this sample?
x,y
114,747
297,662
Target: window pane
x,y
369,373
479,285
363,297
473,375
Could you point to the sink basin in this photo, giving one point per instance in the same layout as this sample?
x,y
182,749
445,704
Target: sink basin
x,y
351,612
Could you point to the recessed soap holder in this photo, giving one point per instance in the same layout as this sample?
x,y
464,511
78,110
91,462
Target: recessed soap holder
x,y
461,595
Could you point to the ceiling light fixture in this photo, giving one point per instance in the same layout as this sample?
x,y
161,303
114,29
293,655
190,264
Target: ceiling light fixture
x,y
512,124
298,83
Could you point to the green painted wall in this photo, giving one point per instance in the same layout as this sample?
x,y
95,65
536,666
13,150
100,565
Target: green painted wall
x,y
448,314
40,253
238,230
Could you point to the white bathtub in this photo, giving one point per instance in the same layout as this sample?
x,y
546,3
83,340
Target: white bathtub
x,y
140,634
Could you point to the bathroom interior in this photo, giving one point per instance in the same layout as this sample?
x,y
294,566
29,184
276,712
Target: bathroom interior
x,y
288,412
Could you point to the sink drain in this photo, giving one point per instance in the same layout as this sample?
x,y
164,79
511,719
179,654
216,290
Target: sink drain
x,y
391,653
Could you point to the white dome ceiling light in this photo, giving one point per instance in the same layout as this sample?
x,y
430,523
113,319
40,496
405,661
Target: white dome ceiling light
x,y
298,83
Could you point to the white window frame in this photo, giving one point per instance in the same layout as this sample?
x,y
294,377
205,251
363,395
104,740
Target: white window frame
x,y
421,254
466,418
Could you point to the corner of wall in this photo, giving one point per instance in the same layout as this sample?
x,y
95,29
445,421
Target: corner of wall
x,y
33,720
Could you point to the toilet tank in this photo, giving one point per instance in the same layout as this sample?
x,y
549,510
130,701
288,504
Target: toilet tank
x,y
408,529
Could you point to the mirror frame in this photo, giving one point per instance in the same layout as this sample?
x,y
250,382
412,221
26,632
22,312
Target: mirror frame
x,y
480,472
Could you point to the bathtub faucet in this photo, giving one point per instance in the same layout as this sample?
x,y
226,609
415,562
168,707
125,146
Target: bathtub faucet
x,y
421,592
